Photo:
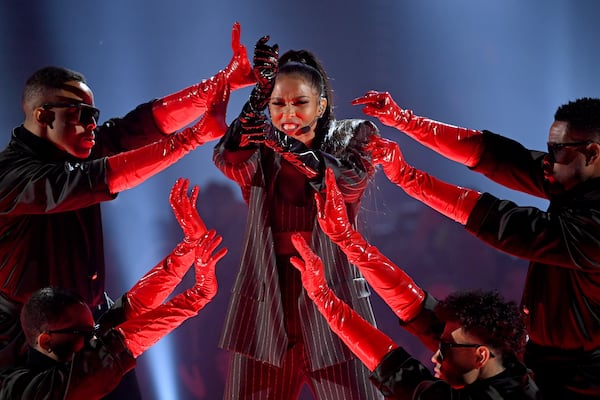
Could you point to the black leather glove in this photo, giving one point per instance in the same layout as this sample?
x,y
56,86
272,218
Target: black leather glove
x,y
265,70
247,131
308,161
254,126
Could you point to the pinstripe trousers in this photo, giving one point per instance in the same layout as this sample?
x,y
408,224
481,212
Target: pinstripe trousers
x,y
252,379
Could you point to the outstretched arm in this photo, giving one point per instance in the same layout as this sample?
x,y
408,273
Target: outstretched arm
x,y
452,201
394,286
236,154
367,342
145,330
158,283
458,144
177,110
128,169
251,126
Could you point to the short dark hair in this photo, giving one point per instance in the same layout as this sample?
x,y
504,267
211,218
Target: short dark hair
x,y
44,308
489,317
582,115
48,78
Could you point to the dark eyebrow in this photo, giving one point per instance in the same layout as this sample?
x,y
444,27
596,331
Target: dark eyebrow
x,y
293,98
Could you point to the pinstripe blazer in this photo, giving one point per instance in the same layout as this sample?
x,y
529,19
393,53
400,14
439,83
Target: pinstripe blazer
x,y
254,324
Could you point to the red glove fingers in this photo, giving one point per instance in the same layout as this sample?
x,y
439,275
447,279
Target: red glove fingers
x,y
177,110
366,342
452,201
387,153
239,71
145,330
185,211
158,283
458,144
206,282
381,106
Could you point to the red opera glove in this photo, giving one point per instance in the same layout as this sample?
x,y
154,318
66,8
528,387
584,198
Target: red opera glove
x,y
458,144
366,342
158,283
143,331
128,169
205,262
452,201
394,286
239,72
177,110
185,211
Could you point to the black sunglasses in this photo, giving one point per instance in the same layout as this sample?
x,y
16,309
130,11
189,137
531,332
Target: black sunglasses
x,y
87,114
87,334
554,149
445,346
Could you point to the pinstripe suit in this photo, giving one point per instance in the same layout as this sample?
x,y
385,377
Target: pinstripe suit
x,y
255,323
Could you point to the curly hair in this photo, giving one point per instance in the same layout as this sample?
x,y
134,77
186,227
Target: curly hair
x,y
489,317
582,115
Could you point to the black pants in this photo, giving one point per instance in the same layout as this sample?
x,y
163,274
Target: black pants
x,y
565,374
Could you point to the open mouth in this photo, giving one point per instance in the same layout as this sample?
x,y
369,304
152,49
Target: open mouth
x,y
289,127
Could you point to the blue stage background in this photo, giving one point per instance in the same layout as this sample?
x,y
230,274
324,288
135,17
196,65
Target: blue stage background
x,y
504,66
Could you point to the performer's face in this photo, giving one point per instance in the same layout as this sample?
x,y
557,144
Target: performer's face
x,y
568,161
456,365
295,107
69,118
68,336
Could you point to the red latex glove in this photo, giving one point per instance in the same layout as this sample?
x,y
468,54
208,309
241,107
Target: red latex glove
x,y
143,331
177,110
458,144
239,72
452,201
185,211
158,283
128,169
394,286
369,344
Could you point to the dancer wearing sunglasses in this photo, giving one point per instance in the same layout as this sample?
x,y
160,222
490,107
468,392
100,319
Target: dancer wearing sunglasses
x,y
561,294
477,337
72,357
60,164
